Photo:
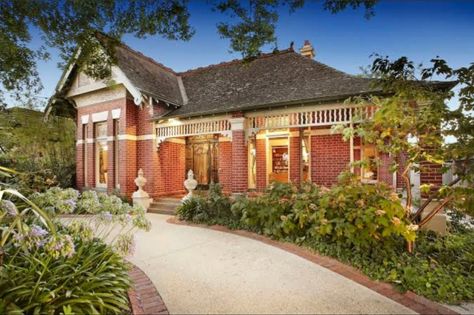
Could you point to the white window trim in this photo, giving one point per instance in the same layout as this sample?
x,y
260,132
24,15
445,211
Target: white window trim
x,y
100,117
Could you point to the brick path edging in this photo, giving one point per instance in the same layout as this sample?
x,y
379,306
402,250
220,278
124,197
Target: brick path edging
x,y
409,299
143,296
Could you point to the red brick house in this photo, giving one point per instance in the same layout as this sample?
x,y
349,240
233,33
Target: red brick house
x,y
241,123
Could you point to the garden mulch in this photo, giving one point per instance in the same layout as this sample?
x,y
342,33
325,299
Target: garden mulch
x,y
409,299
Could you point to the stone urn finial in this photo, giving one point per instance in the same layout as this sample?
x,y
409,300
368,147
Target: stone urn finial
x,y
141,197
140,181
190,184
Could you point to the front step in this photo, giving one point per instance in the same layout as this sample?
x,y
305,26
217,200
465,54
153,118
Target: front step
x,y
166,205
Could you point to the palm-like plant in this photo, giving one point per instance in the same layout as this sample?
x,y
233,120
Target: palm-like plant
x,y
14,206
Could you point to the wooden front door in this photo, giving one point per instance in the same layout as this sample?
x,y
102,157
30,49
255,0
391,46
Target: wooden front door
x,y
202,157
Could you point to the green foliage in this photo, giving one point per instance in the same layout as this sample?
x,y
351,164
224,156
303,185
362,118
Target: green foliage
x,y
440,269
92,281
69,201
413,119
193,209
14,209
42,152
351,212
257,20
213,208
67,25
360,224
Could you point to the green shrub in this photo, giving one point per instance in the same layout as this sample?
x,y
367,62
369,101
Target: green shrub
x,y
57,200
360,224
92,281
441,267
265,213
360,214
350,212
67,201
213,208
193,209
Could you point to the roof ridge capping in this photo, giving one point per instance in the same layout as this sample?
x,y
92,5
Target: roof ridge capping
x,y
236,61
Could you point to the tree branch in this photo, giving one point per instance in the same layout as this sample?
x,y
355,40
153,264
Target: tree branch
x,y
430,198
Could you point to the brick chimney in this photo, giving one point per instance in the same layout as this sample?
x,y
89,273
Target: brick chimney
x,y
307,50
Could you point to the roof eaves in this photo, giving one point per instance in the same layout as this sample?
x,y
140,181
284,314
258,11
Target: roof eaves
x,y
319,100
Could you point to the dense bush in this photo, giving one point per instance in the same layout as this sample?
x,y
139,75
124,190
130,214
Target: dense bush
x,y
213,208
360,224
441,267
75,267
68,201
91,279
351,212
43,152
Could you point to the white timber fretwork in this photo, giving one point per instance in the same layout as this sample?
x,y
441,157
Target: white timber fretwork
x,y
184,128
260,120
319,116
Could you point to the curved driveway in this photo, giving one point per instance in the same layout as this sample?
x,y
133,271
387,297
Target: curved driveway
x,y
198,270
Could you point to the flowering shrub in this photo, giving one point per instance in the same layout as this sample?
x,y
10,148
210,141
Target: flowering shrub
x,y
36,282
66,265
57,200
69,201
360,214
351,212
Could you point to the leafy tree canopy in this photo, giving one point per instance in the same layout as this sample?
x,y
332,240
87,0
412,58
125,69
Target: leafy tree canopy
x,y
412,122
68,24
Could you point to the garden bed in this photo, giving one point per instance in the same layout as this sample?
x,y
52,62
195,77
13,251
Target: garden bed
x,y
364,226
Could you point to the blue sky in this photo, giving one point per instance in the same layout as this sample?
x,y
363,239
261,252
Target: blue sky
x,y
418,29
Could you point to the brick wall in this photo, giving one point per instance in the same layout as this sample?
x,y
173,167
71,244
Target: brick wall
x,y
171,168
329,157
402,158
225,165
384,169
430,173
82,182
261,157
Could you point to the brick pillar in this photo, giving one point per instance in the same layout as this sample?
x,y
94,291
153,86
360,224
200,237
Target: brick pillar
x,y
128,148
80,148
295,156
225,164
261,156
239,155
402,162
90,181
147,155
430,173
384,169
110,155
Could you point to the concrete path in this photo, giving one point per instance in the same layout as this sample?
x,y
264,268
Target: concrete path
x,y
197,270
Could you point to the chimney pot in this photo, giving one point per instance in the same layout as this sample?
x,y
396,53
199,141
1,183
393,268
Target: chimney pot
x,y
307,50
